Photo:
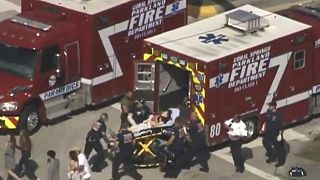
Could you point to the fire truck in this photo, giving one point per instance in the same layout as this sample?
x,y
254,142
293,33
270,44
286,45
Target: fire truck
x,y
58,56
236,63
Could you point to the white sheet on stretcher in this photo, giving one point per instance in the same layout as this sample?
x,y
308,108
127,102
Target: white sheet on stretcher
x,y
138,128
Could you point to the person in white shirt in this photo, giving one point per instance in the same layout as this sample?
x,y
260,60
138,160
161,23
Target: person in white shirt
x,y
236,130
83,165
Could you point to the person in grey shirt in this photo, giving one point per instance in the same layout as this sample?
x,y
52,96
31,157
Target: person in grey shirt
x,y
53,166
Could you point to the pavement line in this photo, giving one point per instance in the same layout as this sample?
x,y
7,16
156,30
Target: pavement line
x,y
6,5
253,170
116,106
289,135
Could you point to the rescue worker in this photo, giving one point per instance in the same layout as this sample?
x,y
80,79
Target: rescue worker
x,y
271,130
124,154
126,117
141,111
128,101
236,130
175,145
97,132
197,147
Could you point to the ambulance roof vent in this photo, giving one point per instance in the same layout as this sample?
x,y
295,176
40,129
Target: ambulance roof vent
x,y
31,23
246,21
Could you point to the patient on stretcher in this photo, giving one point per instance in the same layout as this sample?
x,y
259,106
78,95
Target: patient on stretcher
x,y
165,119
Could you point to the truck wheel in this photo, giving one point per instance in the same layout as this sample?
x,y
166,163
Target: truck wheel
x,y
252,128
30,120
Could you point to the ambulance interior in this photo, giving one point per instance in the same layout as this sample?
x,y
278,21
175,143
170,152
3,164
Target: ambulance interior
x,y
169,82
173,86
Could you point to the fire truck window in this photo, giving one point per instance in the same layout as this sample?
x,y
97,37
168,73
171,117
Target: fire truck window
x,y
49,59
299,59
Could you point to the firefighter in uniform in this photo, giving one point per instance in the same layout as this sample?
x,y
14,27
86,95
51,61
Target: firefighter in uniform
x,y
271,130
175,146
197,147
97,132
236,130
124,154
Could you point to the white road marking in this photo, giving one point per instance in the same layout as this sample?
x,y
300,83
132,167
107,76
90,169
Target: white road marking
x,y
289,135
116,106
223,155
6,5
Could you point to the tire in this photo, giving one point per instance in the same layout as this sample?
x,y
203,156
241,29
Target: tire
x,y
252,128
30,120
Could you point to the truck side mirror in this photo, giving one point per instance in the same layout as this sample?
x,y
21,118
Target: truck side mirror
x,y
58,68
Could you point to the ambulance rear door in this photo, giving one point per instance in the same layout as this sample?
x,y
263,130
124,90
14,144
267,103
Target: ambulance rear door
x,y
144,82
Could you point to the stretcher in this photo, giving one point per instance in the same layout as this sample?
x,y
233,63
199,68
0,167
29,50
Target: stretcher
x,y
150,140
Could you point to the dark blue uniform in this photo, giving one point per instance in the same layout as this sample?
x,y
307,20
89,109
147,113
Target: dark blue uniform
x,y
141,114
270,142
93,142
124,155
177,149
197,148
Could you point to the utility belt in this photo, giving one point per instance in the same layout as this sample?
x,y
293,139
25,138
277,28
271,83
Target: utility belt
x,y
92,140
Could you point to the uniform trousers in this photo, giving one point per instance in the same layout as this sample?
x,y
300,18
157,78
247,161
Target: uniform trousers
x,y
273,147
97,146
236,152
129,167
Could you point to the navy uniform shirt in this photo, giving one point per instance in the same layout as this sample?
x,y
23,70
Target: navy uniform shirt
x,y
95,133
178,142
273,123
196,131
125,139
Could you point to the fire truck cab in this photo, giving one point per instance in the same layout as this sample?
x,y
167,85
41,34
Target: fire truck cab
x,y
60,56
235,62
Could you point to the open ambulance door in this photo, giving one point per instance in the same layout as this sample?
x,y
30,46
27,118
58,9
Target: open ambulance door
x,y
144,83
162,85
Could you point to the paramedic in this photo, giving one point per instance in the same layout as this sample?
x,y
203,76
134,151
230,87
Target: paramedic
x,y
141,111
175,145
128,101
97,132
197,147
271,130
236,130
125,139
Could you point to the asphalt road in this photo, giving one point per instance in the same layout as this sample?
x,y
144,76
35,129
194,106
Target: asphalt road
x,y
69,132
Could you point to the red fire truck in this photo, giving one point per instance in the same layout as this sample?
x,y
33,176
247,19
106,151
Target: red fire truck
x,y
236,62
60,56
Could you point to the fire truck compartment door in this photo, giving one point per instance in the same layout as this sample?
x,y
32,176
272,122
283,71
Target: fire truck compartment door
x,y
144,82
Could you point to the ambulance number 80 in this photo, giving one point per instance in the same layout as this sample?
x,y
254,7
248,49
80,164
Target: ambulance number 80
x,y
215,130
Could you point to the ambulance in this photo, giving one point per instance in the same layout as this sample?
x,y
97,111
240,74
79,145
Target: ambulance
x,y
236,63
59,56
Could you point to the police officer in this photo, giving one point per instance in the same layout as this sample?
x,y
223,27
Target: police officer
x,y
197,147
236,130
175,145
272,128
125,139
97,132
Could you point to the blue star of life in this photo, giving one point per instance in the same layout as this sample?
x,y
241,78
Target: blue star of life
x,y
218,80
175,7
208,38
198,98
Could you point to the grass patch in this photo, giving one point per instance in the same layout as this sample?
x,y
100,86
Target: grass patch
x,y
312,150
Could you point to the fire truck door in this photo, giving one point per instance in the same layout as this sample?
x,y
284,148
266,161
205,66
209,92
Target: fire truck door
x,y
144,83
49,78
72,62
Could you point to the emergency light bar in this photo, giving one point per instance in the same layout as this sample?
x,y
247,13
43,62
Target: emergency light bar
x,y
31,23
